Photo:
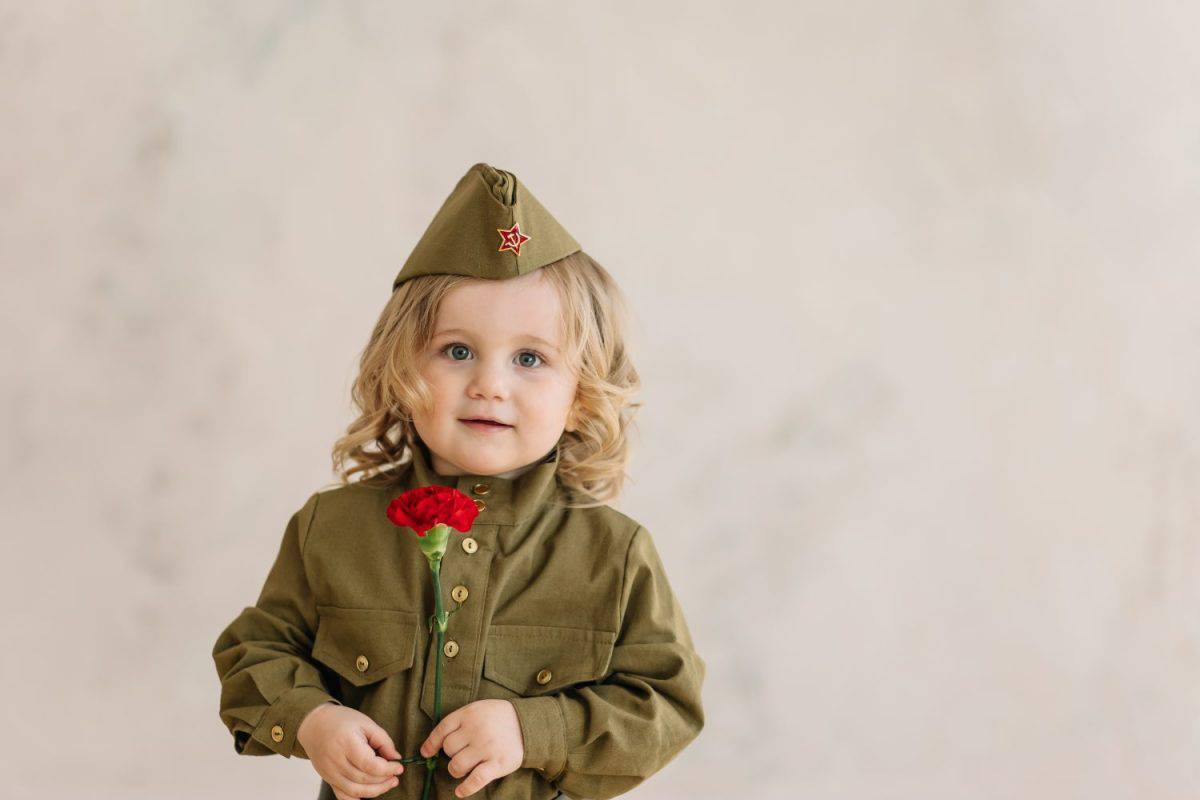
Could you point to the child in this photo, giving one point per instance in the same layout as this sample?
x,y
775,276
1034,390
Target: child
x,y
498,367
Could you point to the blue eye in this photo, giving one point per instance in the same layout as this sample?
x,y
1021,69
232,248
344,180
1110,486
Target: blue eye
x,y
531,353
452,347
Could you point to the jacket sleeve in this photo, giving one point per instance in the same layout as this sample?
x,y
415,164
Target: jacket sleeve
x,y
600,740
268,681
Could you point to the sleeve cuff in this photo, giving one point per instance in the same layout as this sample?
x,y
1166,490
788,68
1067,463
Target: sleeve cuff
x,y
544,732
277,729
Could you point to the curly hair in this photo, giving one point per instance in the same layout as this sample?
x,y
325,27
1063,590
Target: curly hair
x,y
591,459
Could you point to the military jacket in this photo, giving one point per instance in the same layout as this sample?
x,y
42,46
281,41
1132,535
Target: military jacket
x,y
566,613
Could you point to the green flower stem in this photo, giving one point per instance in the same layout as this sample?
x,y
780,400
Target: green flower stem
x,y
433,545
440,619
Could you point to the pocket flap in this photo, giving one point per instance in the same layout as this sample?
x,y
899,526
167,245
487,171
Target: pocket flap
x,y
365,645
539,659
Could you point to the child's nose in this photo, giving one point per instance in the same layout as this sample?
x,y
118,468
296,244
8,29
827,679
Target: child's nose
x,y
488,382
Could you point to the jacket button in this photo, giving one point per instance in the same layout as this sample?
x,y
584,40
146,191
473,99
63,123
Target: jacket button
x,y
481,488
362,663
277,733
480,505
451,649
459,593
469,545
544,676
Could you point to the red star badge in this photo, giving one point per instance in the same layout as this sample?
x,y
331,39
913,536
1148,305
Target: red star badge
x,y
512,239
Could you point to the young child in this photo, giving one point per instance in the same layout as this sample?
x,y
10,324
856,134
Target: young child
x,y
499,368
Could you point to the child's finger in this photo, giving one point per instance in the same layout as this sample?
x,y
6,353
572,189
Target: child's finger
x,y
364,759
479,777
433,742
379,740
356,790
356,773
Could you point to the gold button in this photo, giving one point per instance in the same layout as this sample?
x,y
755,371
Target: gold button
x,y
481,488
451,649
362,663
459,593
480,505
544,676
277,733
470,545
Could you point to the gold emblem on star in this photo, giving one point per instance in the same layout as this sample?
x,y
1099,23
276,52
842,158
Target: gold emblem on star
x,y
512,239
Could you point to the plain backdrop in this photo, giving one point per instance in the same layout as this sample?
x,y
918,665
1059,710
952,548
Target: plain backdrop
x,y
916,304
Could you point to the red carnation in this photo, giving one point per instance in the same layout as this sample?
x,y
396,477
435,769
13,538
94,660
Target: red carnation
x,y
426,506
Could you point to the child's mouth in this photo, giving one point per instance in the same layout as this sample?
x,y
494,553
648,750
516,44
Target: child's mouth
x,y
484,425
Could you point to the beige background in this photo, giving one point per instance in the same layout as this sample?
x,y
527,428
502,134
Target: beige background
x,y
916,306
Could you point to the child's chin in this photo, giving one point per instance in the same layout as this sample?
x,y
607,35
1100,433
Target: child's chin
x,y
485,466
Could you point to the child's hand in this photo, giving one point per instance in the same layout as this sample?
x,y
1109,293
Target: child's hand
x,y
341,743
484,736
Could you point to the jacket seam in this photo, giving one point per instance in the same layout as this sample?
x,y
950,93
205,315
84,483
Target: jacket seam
x,y
562,717
621,609
304,537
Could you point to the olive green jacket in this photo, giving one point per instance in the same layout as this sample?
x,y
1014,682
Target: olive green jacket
x,y
566,613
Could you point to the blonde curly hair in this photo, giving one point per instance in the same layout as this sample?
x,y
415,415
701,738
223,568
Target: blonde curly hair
x,y
591,459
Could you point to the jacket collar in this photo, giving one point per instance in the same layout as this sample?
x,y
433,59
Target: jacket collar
x,y
506,501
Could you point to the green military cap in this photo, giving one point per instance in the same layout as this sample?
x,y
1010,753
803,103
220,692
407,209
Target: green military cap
x,y
491,226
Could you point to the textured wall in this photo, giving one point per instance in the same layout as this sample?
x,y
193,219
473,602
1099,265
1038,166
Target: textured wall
x,y
916,305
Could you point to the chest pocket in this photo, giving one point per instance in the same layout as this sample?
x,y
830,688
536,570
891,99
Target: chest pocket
x,y
539,659
365,645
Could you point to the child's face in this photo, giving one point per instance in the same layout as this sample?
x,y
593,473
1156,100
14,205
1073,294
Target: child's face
x,y
484,361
